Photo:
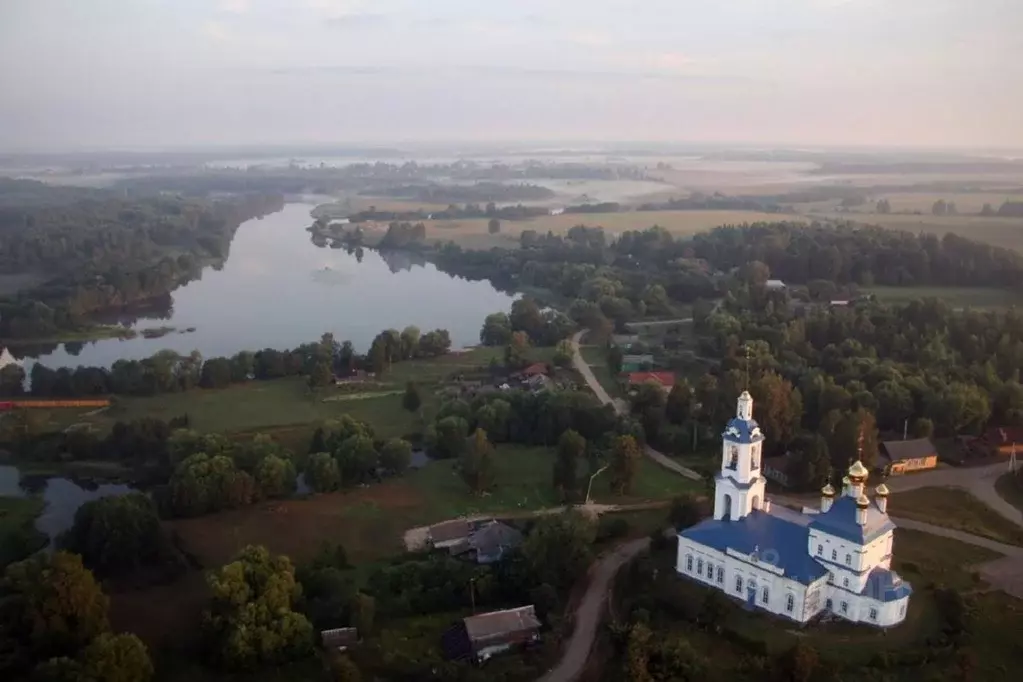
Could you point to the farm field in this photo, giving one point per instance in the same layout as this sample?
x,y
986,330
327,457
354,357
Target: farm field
x,y
960,297
957,509
473,233
1004,232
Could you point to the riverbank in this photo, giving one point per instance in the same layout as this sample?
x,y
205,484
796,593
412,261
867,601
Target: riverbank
x,y
97,332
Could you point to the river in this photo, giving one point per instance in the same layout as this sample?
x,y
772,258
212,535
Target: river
x,y
278,290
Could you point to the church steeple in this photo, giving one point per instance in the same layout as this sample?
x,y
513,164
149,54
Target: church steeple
x,y
740,487
744,407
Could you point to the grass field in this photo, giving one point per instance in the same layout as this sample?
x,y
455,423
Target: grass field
x,y
473,233
273,405
960,297
1010,490
954,508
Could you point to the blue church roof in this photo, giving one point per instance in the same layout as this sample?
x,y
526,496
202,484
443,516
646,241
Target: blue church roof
x,y
886,586
840,521
776,540
743,431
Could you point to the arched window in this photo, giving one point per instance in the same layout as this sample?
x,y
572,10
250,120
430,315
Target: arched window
x,y
733,458
738,584
755,457
721,575
765,596
790,603
689,563
699,567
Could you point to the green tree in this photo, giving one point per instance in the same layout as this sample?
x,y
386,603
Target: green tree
x,y
396,456
445,439
559,548
637,654
343,669
496,330
409,342
250,619
571,451
476,464
493,418
59,669
923,428
12,381
686,511
117,536
116,658
54,605
363,609
322,473
626,457
988,211
358,460
493,226
516,353
321,374
202,484
853,437
614,360
679,405
275,476
562,354
884,207
812,464
778,409
411,400
797,664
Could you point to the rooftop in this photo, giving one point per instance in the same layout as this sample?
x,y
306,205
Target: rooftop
x,y
663,378
900,450
742,431
450,530
494,536
886,586
779,538
840,521
496,623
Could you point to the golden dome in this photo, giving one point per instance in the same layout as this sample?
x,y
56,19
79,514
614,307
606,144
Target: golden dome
x,y
857,470
846,481
862,502
828,491
882,490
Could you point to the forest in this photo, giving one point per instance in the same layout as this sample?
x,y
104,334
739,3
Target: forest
x,y
97,250
453,194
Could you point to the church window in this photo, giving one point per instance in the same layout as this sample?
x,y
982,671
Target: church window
x,y
873,614
845,582
710,571
765,596
829,604
721,574
834,555
848,559
738,583
689,563
845,607
820,550
755,454
699,567
902,611
733,458
790,603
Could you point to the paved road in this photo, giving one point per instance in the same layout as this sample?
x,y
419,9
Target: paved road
x,y
603,396
591,612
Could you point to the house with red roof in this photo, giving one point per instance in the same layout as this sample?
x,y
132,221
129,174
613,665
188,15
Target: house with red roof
x,y
665,379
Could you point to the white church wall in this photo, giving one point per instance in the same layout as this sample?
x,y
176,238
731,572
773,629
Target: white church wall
x,y
850,564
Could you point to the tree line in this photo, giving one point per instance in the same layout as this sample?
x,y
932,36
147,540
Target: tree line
x,y
83,246
170,372
452,194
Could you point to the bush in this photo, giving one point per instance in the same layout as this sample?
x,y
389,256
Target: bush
x,y
612,528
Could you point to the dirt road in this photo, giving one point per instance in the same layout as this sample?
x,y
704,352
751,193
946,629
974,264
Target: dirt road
x,y
591,611
603,396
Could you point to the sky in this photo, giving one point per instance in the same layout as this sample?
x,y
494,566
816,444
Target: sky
x,y
85,74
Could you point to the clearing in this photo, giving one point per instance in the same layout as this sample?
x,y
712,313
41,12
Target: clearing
x,y
957,509
960,297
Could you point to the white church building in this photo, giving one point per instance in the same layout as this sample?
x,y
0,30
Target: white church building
x,y
799,565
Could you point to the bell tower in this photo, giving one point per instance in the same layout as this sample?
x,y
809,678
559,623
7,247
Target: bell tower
x,y
739,485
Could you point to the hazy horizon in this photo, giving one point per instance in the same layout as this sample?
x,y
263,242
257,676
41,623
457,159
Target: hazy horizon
x,y
164,74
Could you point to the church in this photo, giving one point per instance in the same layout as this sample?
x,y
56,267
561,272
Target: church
x,y
835,560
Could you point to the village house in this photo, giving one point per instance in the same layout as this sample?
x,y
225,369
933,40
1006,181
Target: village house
x,y
636,362
483,636
665,379
489,543
903,456
448,534
339,639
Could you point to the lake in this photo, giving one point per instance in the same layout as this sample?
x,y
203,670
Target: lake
x,y
278,290
63,496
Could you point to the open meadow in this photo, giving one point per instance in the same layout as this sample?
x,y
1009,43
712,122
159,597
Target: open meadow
x,y
473,233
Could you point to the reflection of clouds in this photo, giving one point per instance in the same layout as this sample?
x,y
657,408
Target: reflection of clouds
x,y
252,266
332,277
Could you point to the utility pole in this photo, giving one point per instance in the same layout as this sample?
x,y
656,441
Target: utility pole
x,y
589,485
